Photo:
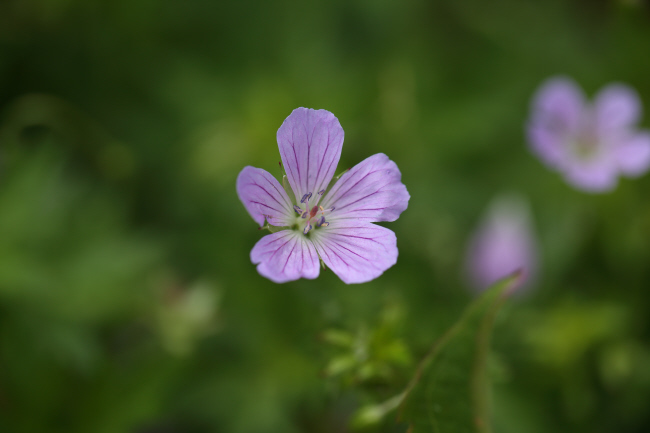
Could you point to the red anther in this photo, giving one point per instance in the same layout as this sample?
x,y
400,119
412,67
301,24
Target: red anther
x,y
313,211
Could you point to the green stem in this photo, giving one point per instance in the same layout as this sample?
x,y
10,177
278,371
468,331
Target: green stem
x,y
479,383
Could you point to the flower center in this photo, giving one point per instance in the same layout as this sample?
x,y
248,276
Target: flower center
x,y
585,147
310,218
585,143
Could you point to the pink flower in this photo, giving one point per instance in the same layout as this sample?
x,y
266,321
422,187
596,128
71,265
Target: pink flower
x,y
503,244
591,144
333,223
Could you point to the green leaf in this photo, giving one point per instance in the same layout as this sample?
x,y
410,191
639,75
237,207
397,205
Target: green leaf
x,y
449,391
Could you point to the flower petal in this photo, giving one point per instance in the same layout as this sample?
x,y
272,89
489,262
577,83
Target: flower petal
x,y
371,191
356,251
310,143
599,175
285,256
547,145
557,114
634,154
616,106
264,197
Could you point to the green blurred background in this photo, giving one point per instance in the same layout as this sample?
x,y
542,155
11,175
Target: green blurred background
x,y
128,302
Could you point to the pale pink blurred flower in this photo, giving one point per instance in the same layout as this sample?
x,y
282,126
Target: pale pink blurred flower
x,y
590,143
503,244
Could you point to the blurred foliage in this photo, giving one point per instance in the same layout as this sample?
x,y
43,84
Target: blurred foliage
x,y
128,302
449,390
370,354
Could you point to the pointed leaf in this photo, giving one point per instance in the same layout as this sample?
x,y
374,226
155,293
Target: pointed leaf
x,y
448,393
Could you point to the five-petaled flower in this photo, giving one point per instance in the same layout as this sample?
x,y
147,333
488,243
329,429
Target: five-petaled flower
x,y
590,144
319,220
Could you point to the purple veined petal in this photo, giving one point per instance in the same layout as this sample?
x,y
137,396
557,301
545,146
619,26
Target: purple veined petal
x,y
597,175
356,251
371,191
503,244
633,154
616,106
310,143
264,197
285,256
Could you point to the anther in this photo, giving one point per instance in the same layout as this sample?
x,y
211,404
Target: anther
x,y
304,214
321,192
325,224
320,222
305,197
307,228
297,209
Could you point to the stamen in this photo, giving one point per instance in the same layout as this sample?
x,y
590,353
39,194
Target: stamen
x,y
321,221
297,209
305,197
307,228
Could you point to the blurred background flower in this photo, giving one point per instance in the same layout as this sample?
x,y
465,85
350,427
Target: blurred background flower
x,y
503,243
590,144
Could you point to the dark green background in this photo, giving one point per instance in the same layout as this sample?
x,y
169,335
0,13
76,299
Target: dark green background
x,y
128,302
